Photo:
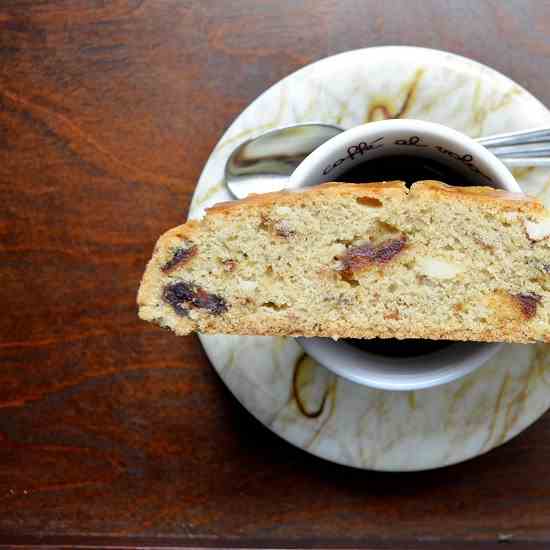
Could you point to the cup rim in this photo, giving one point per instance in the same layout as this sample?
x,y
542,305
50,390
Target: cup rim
x,y
503,176
457,360
361,367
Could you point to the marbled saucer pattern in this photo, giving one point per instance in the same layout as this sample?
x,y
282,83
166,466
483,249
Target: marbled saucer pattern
x,y
300,400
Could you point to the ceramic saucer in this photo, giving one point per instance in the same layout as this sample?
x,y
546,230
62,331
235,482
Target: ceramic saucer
x,y
301,401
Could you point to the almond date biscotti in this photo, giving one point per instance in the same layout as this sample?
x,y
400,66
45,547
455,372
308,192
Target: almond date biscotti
x,y
361,261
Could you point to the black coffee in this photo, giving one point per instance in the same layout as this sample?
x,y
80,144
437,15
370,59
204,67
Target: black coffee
x,y
391,347
407,169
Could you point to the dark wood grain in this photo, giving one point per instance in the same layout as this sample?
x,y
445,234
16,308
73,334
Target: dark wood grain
x,y
111,428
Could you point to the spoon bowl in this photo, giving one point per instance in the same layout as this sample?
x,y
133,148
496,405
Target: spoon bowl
x,y
264,164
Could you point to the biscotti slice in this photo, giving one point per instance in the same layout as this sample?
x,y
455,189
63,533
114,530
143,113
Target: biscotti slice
x,y
361,261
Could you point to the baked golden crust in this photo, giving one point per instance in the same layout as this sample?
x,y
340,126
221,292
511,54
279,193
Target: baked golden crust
x,y
480,193
272,265
294,197
476,193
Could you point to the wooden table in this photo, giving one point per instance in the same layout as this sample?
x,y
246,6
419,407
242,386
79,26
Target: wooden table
x,y
113,432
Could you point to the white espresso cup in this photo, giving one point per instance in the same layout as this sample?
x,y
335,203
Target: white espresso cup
x,y
374,140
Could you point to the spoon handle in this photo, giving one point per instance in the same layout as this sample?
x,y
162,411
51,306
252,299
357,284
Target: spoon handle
x,y
540,135
525,161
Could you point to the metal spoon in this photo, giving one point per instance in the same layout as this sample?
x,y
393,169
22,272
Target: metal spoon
x,y
264,164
